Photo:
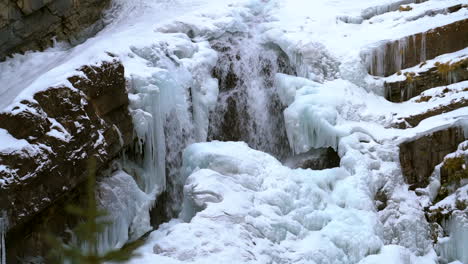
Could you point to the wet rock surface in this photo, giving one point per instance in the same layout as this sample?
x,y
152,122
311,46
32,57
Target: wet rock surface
x,y
64,127
32,24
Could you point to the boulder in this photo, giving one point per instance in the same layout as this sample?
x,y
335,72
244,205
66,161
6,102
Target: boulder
x,y
440,75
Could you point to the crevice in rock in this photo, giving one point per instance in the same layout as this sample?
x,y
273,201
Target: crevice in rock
x,y
315,159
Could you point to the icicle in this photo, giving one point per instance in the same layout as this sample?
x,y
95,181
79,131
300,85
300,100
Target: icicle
x,y
155,145
423,47
402,46
413,38
128,210
3,230
378,61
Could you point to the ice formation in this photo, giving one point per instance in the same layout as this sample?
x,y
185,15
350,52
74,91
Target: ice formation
x,y
3,229
453,247
241,205
127,207
312,119
244,206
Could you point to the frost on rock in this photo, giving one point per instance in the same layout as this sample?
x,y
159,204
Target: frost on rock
x,y
311,60
316,63
405,223
128,210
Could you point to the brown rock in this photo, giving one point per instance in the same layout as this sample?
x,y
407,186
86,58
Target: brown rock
x,y
56,166
419,157
412,50
31,24
433,77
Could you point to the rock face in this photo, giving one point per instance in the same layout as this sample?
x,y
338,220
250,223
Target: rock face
x,y
419,157
409,51
315,159
414,120
449,213
63,127
443,74
31,24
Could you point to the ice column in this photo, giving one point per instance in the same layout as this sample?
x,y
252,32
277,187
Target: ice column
x,y
3,230
155,147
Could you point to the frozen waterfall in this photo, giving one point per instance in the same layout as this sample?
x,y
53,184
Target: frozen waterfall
x,y
248,107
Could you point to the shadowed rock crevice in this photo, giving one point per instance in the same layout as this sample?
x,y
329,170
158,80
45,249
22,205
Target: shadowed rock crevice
x,y
315,159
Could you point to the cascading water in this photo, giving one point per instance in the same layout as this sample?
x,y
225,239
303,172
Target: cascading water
x,y
248,107
192,92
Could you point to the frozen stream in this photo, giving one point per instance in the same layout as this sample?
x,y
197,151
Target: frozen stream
x,y
220,93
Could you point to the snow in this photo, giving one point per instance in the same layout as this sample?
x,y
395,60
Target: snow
x,y
250,208
241,205
58,131
10,143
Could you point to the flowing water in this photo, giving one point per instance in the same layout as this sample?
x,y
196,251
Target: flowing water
x,y
248,107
